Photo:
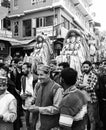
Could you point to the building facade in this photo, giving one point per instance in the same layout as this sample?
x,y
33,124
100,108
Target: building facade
x,y
5,34
52,17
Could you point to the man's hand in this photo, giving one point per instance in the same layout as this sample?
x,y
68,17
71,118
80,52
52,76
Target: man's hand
x,y
33,108
17,91
28,94
24,96
83,86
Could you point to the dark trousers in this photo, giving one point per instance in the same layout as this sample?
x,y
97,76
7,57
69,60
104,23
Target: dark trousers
x,y
93,116
102,111
27,119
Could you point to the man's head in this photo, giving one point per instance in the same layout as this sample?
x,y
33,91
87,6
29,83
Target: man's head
x,y
63,65
19,64
3,84
53,65
26,68
86,67
3,78
104,64
43,72
69,77
4,70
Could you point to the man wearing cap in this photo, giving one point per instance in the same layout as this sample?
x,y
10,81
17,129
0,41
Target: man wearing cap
x,y
48,95
8,106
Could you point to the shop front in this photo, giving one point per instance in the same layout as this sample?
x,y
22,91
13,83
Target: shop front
x,y
4,49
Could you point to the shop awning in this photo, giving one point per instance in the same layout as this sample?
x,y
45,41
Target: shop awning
x,y
17,43
11,40
24,43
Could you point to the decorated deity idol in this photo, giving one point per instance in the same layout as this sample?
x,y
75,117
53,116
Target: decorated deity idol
x,y
42,50
73,50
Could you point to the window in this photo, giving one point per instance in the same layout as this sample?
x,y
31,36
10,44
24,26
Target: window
x,y
16,31
48,21
39,22
15,3
6,23
27,28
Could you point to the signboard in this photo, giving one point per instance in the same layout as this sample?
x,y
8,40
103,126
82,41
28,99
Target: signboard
x,y
46,30
38,1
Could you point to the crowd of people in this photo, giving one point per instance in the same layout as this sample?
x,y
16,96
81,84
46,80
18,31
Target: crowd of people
x,y
53,97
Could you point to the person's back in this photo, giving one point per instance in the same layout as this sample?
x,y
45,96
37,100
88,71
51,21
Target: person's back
x,y
75,104
102,98
73,107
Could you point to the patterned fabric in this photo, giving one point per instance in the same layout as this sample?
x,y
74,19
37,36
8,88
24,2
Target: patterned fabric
x,y
92,81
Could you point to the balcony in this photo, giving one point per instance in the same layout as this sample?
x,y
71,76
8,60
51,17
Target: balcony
x,y
5,33
83,8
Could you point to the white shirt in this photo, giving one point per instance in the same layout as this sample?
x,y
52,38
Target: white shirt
x,y
28,90
29,85
85,81
8,107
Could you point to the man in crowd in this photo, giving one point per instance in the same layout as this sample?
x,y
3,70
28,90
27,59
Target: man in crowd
x,y
28,82
102,94
8,106
16,73
73,107
88,81
57,72
11,87
48,95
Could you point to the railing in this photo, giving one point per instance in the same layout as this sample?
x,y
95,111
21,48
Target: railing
x,y
5,33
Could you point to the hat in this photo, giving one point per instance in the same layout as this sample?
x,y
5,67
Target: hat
x,y
73,32
3,80
44,68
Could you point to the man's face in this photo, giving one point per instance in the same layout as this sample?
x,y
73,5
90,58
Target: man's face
x,y
86,68
2,88
59,68
13,63
20,63
104,65
53,67
25,70
42,77
3,73
3,84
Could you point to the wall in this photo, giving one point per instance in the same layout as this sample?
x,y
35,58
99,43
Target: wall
x,y
24,5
